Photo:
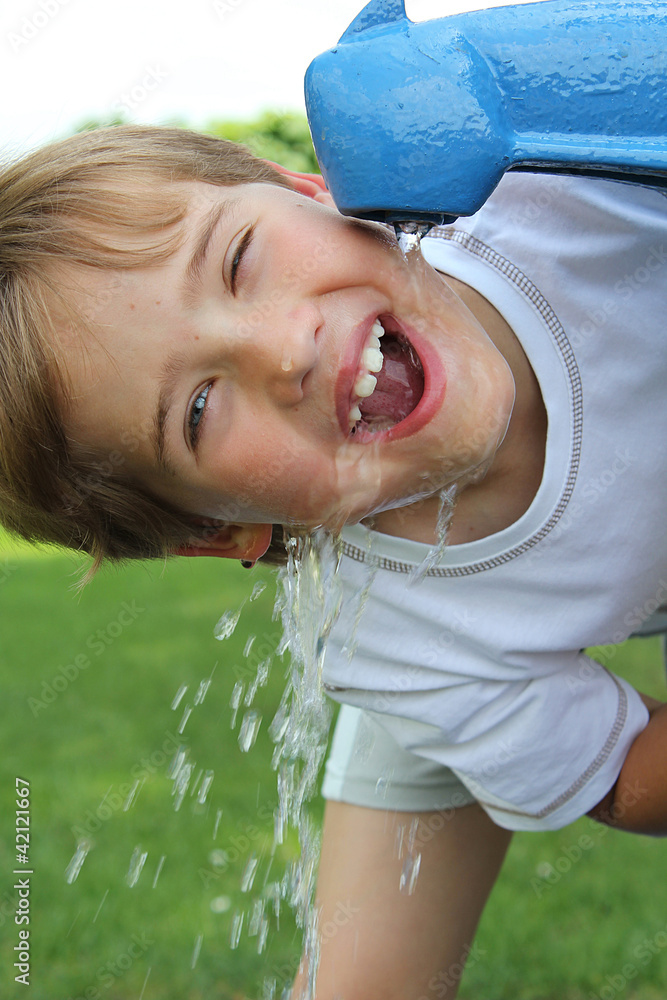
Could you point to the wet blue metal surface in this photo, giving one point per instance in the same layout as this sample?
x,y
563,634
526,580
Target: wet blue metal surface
x,y
422,120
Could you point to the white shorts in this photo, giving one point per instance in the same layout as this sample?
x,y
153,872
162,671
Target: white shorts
x,y
366,767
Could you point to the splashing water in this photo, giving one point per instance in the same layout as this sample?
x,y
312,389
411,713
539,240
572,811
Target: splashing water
x,y
137,862
196,950
74,867
435,553
307,603
178,697
163,858
412,863
249,729
226,625
409,236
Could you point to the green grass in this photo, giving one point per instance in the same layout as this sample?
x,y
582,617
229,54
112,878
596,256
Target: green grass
x,y
84,731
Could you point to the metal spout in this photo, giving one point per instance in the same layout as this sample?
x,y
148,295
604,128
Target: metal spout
x,y
410,227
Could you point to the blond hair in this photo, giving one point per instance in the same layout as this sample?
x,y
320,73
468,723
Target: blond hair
x,y
90,200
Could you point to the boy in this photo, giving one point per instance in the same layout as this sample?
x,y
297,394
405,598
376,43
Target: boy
x,y
197,347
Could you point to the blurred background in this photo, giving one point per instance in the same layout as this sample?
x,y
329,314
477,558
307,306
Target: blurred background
x,y
100,690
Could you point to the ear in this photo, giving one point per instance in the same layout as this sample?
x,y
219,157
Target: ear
x,y
248,542
310,185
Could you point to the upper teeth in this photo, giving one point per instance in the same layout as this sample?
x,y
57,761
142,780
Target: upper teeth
x,y
372,360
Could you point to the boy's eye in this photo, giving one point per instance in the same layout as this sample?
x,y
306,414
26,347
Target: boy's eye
x,y
196,414
243,246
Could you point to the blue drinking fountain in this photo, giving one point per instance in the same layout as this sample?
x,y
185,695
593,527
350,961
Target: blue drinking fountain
x,y
417,123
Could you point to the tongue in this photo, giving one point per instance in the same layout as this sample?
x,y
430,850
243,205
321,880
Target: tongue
x,y
400,383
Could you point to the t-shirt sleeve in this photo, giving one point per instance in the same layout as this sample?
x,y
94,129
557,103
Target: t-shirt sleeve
x,y
536,753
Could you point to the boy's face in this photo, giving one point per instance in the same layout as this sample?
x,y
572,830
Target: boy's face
x,y
226,381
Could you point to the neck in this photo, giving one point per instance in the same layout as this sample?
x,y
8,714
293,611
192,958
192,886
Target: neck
x,y
509,486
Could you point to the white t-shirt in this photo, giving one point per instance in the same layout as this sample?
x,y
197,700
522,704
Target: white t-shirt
x,y
479,667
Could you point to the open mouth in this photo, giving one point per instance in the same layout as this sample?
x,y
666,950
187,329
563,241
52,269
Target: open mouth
x,y
389,383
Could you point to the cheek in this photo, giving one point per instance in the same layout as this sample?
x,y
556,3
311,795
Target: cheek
x,y
280,482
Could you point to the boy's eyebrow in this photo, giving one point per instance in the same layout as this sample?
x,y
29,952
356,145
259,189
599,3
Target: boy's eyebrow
x,y
194,271
174,364
172,369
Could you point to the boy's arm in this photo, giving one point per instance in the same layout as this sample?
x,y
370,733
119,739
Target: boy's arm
x,y
638,800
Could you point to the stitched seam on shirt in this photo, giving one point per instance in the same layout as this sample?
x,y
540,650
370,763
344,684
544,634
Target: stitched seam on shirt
x,y
478,249
591,770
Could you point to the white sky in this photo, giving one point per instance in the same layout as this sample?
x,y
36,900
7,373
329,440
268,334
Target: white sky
x,y
62,61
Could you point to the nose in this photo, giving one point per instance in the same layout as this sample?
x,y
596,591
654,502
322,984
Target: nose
x,y
278,348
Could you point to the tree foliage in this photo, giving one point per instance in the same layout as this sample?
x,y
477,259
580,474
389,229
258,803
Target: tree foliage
x,y
280,136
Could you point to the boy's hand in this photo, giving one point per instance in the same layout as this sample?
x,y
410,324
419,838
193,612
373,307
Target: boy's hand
x,y
638,801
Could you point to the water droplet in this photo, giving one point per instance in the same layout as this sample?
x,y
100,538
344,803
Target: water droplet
x,y
248,645
235,700
145,981
258,589
218,858
226,625
197,949
178,697
132,794
160,863
221,904
195,783
260,679
383,783
256,916
202,690
78,858
249,873
408,879
262,936
269,989
263,671
207,781
435,553
187,711
237,927
181,775
218,817
104,899
249,729
137,862
177,762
